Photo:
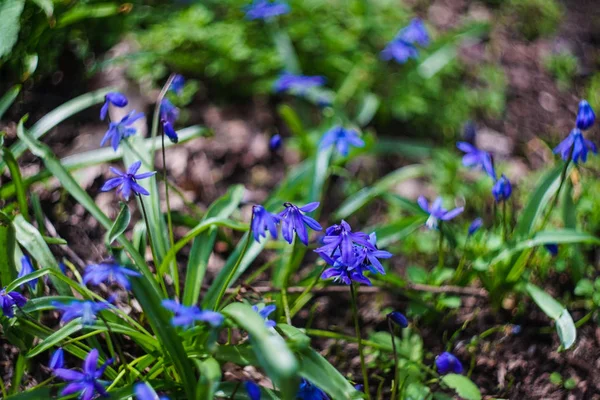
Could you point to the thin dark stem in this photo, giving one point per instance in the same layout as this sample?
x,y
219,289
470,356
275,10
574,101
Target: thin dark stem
x,y
396,364
154,257
363,365
234,270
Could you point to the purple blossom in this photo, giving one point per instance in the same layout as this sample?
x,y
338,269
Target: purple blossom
x,y
143,391
264,312
415,32
116,99
86,309
402,47
275,142
475,225
177,84
398,318
308,391
186,316
253,390
26,269
341,237
265,9
58,359
9,300
342,138
585,116
447,362
86,382
127,181
263,221
108,272
502,189
368,257
437,212
575,146
297,83
345,275
168,115
293,220
118,131
477,158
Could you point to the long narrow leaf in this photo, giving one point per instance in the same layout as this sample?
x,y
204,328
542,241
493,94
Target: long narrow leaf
x,y
8,98
8,269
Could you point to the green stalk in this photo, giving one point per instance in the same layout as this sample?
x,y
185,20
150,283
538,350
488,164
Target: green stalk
x,y
563,178
396,363
286,305
363,365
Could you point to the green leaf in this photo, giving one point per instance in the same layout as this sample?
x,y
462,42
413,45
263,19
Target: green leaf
x,y
35,394
46,5
210,376
270,349
85,11
15,174
8,98
8,269
553,309
19,370
10,10
584,287
54,339
367,109
120,225
395,231
24,279
463,386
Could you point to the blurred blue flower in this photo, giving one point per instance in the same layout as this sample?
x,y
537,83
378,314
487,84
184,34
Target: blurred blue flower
x,y
262,220
398,318
502,189
415,32
86,309
177,84
308,391
585,116
118,131
552,249
143,391
275,142
265,9
342,138
297,83
58,359
86,382
264,313
341,237
402,47
447,363
469,131
437,212
116,99
575,146
26,269
253,390
293,220
9,300
127,181
168,115
186,316
475,225
516,329
477,158
109,272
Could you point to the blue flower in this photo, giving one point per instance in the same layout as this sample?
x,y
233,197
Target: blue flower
x,y
264,312
502,189
143,391
308,391
168,115
9,300
118,131
109,272
415,32
177,84
262,220
477,158
85,309
86,382
345,275
398,318
264,9
186,316
437,212
293,220
58,359
402,47
475,225
368,256
26,269
275,142
552,249
575,146
297,83
447,362
116,99
585,116
342,138
253,390
341,237
469,131
127,181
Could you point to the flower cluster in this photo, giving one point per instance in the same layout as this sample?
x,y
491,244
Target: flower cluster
x,y
292,219
403,46
575,146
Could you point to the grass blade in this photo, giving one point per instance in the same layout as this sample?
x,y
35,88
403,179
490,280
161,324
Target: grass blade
x,y
15,174
8,269
120,225
8,98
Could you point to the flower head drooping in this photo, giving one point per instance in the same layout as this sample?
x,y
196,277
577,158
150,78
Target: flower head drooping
x,y
402,47
263,221
340,237
127,181
177,84
26,269
297,83
143,391
253,390
265,9
447,362
168,115
109,272
116,99
186,316
8,300
85,309
264,313
398,318
474,227
575,146
502,189
308,391
437,212
275,142
585,116
342,138
118,131
552,249
86,382
477,158
293,220
57,360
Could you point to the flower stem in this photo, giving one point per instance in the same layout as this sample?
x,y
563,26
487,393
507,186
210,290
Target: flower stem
x,y
396,364
174,270
156,115
234,269
440,248
563,178
286,306
504,225
154,257
363,366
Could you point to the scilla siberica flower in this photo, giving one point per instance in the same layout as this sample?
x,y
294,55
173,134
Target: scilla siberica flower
x,y
253,390
398,318
502,189
293,220
108,272
342,138
116,99
186,316
447,362
58,359
26,269
308,391
402,47
437,212
8,300
143,391
87,382
476,158
576,147
585,116
263,221
275,142
265,9
168,115
85,309
340,237
177,84
118,131
297,83
264,312
127,181
474,227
